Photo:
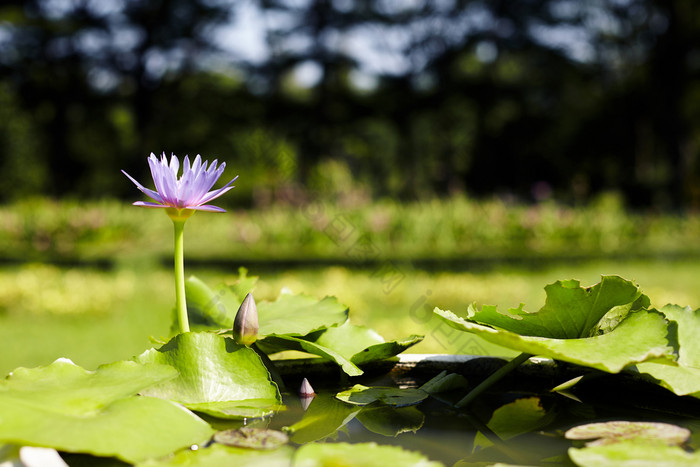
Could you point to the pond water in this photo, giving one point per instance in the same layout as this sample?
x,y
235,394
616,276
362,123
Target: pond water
x,y
518,422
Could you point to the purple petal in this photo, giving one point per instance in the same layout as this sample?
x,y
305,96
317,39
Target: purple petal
x,y
208,207
146,204
186,166
157,179
203,185
216,193
168,185
196,165
174,164
188,190
150,193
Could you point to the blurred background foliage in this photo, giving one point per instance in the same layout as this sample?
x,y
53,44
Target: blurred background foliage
x,y
400,155
433,233
415,99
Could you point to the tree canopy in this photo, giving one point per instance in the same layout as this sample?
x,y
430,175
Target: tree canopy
x,y
407,99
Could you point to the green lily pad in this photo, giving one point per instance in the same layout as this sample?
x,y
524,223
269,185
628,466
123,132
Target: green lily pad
x,y
295,315
131,429
391,421
618,431
513,419
634,453
252,438
570,311
363,395
67,388
323,418
681,380
280,342
569,325
299,315
688,322
640,336
358,455
71,409
217,376
296,322
361,345
349,339
218,455
347,345
682,374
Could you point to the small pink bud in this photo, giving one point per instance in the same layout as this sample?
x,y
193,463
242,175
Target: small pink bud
x,y
306,390
306,394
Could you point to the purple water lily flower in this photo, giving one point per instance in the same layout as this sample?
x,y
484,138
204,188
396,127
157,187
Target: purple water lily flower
x,y
191,191
181,198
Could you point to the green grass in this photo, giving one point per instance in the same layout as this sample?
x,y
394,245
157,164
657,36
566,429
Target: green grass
x,y
94,316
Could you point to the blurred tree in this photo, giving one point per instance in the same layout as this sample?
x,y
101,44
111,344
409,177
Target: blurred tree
x,y
674,64
89,71
422,98
23,172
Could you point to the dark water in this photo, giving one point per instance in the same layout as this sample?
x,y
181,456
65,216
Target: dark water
x,y
450,435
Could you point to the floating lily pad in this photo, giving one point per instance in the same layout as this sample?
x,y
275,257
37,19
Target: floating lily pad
x,y
682,374
279,343
513,419
634,453
363,395
323,418
358,455
71,409
570,311
299,315
640,336
348,345
218,455
349,339
391,421
361,345
216,376
682,380
617,431
294,315
295,322
252,438
67,388
688,330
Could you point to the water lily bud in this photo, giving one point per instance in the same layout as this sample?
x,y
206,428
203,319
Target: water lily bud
x,y
306,390
245,326
306,394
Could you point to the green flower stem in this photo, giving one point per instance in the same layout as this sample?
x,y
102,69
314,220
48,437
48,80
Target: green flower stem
x,y
495,377
180,301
